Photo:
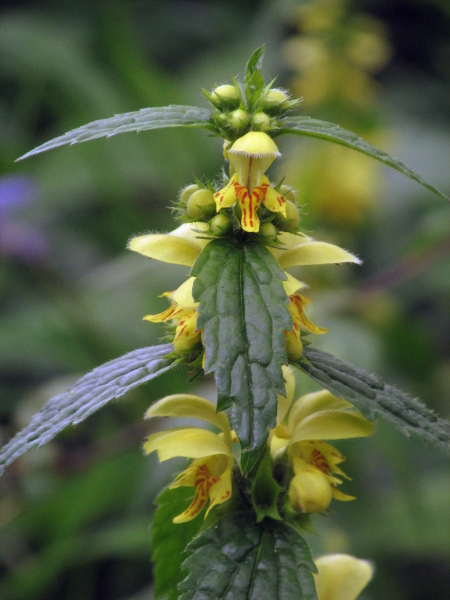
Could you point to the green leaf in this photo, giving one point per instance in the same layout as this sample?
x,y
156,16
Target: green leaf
x,y
111,380
141,120
243,314
169,540
254,63
265,491
375,398
240,559
333,133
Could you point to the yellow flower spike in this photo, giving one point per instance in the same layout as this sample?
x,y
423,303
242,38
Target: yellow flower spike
x,y
210,473
309,490
341,576
292,285
179,247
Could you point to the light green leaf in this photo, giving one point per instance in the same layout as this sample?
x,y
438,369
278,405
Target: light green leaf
x,y
169,540
333,133
141,120
375,398
254,63
111,380
244,315
240,559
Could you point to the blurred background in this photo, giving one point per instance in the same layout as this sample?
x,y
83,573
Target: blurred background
x,y
75,516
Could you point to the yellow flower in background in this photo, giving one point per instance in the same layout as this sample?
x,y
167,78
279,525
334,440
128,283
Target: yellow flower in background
x,y
210,473
250,156
300,432
341,576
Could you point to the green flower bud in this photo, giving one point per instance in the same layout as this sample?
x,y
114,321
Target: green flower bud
x,y
187,192
201,204
225,95
268,231
220,224
275,100
238,119
287,192
292,218
221,118
261,121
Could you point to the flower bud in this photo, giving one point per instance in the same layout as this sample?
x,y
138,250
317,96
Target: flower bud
x,y
225,95
201,204
275,100
187,192
238,119
292,218
268,231
310,491
287,192
220,224
261,121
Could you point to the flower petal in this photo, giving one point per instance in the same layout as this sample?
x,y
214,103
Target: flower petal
x,y
189,406
314,253
179,247
310,404
189,442
284,402
292,285
332,425
220,490
341,577
183,295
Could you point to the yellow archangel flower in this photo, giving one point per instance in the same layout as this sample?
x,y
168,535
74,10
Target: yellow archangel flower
x,y
183,311
210,473
250,156
311,419
341,576
183,245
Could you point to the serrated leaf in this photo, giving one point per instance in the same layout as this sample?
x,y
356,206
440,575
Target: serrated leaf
x,y
240,559
169,540
244,315
333,133
375,398
111,380
254,63
140,120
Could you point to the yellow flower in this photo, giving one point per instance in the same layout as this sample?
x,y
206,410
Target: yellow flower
x,y
250,156
183,246
210,473
301,323
183,311
311,419
341,577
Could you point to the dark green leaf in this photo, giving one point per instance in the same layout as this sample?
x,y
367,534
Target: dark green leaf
x,y
141,120
240,559
169,540
333,133
111,380
375,398
243,314
265,491
254,63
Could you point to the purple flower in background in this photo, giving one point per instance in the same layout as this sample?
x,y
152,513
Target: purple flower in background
x,y
18,240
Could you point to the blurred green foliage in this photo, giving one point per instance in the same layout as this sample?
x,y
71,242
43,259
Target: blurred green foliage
x,y
75,516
